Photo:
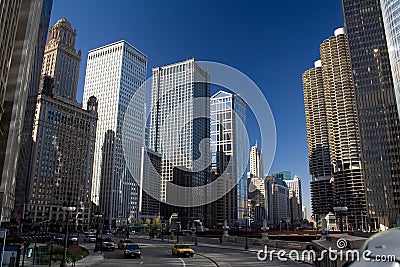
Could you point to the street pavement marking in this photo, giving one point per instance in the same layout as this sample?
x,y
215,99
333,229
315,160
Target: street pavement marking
x,y
208,258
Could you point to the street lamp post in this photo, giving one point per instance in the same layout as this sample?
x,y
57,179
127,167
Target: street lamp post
x,y
162,232
97,216
68,208
178,231
194,231
247,244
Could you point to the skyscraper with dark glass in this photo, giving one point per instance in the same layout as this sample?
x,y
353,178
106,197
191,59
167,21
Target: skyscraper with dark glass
x,y
19,24
179,122
24,157
377,112
228,113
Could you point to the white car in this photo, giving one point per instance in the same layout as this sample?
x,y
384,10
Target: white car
x,y
90,238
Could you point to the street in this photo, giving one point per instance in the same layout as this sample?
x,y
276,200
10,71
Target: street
x,y
157,253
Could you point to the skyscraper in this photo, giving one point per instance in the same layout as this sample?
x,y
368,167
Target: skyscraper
x,y
114,73
63,136
377,112
178,125
279,198
61,60
228,147
295,199
283,175
318,141
62,157
390,13
344,144
24,157
256,164
19,29
9,23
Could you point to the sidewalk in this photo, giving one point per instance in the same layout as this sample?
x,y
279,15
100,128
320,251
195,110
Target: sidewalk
x,y
91,259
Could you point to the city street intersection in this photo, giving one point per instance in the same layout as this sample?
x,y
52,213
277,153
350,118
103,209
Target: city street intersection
x,y
158,253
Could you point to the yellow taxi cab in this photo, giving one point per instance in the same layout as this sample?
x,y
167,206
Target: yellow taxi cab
x,y
123,243
182,250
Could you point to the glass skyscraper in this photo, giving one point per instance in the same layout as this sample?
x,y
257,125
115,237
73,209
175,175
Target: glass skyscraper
x,y
391,20
19,22
113,74
178,125
377,110
24,157
227,137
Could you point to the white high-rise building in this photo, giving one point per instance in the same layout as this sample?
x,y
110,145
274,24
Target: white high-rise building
x,y
113,74
256,165
304,209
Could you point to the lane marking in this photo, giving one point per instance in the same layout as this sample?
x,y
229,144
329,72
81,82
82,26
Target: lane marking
x,y
208,258
183,262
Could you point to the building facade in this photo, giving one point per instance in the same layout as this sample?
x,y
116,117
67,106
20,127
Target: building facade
x,y
18,38
227,146
63,136
318,142
279,198
24,157
295,199
391,15
9,22
261,200
377,111
113,75
178,125
149,194
283,175
256,164
62,158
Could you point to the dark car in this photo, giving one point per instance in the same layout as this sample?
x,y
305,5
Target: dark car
x,y
107,244
58,238
132,251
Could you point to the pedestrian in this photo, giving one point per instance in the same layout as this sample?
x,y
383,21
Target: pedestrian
x,y
73,260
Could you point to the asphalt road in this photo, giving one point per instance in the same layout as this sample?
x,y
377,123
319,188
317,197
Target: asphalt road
x,y
157,253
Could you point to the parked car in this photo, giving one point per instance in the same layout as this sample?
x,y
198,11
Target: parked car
x,y
107,244
132,250
90,238
182,250
123,243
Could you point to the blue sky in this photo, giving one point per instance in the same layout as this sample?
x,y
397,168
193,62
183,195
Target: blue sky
x,y
273,42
